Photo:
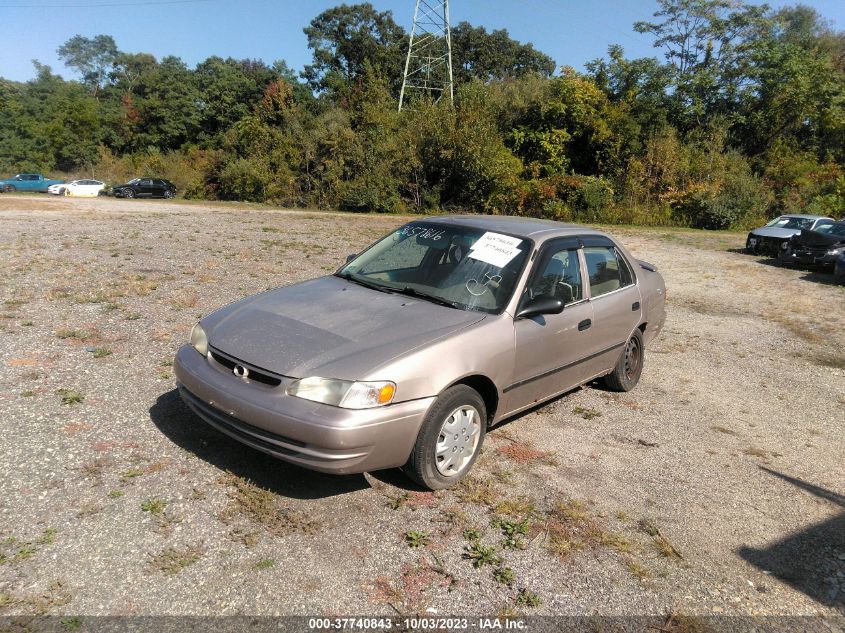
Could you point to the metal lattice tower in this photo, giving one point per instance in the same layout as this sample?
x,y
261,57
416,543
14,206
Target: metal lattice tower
x,y
428,67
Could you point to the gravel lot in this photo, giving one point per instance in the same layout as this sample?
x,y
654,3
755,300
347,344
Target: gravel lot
x,y
716,487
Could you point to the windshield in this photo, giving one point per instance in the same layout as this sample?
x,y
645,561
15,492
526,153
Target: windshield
x,y
134,181
831,228
788,222
467,268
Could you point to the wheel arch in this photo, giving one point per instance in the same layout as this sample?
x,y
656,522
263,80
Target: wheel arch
x,y
486,388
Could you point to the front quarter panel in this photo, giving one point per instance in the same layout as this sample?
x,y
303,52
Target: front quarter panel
x,y
485,348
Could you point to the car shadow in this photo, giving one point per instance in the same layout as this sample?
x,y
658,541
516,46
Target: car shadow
x,y
810,274
806,558
182,427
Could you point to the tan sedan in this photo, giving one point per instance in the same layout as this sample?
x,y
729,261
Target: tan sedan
x,y
410,352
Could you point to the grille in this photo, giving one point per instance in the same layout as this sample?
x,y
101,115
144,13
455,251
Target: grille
x,y
230,424
256,374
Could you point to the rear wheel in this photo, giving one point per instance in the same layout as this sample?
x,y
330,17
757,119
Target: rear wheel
x,y
629,367
450,439
128,193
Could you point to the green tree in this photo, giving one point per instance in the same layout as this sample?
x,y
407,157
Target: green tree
x,y
494,56
92,58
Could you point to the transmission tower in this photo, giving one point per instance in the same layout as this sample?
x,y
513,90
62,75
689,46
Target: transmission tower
x,y
428,67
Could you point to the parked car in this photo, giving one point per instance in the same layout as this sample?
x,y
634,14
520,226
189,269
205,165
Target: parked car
x,y
407,354
769,239
839,269
821,247
27,182
78,188
145,188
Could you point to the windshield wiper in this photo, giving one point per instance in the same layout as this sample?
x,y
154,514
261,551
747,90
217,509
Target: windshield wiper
x,y
413,292
361,282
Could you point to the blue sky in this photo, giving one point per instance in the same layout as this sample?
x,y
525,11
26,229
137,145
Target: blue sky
x,y
571,31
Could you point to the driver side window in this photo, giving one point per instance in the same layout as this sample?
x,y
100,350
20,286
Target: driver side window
x,y
559,277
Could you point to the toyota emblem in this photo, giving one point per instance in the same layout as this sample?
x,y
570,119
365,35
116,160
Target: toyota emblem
x,y
240,371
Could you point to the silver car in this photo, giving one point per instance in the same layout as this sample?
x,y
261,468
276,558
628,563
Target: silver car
x,y
770,239
409,353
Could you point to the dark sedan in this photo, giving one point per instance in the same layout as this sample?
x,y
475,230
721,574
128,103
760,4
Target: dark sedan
x,y
145,188
820,247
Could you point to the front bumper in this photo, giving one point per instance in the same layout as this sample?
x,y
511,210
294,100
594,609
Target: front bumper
x,y
310,434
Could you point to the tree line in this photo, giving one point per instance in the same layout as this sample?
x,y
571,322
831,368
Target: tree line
x,y
742,118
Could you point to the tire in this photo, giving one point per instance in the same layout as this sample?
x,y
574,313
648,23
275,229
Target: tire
x,y
168,194
64,192
463,409
128,193
629,367
10,188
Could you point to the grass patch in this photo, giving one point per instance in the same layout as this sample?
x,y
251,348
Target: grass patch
x,y
513,531
74,333
154,506
525,453
570,527
586,413
663,546
504,576
264,508
172,560
101,352
70,396
479,491
266,563
526,598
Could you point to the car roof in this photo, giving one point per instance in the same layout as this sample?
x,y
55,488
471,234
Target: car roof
x,y
515,225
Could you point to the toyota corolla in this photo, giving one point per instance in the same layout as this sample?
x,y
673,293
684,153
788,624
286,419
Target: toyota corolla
x,y
413,349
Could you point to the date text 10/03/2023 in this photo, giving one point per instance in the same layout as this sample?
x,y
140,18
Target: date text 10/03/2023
x,y
417,624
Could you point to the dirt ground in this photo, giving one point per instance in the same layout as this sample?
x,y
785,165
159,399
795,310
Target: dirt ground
x,y
717,486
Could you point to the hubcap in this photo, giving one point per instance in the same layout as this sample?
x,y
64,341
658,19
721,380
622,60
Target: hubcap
x,y
633,357
458,441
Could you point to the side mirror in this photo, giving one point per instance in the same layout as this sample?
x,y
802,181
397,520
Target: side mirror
x,y
544,304
349,258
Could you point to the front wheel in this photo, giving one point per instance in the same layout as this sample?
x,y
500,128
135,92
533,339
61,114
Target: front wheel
x,y
168,194
629,367
9,188
64,191
449,440
128,193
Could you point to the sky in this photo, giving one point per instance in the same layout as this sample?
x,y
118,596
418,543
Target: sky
x,y
572,32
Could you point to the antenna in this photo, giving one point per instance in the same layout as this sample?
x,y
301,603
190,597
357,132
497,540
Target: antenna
x,y
428,67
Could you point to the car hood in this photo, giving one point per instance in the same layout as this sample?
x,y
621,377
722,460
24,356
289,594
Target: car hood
x,y
329,327
775,232
814,238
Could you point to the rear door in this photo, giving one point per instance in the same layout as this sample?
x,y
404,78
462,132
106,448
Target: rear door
x,y
615,299
146,188
549,349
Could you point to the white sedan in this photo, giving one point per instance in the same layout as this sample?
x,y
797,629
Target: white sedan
x,y
78,188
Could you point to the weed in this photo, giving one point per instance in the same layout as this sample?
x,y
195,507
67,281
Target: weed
x,y
48,536
266,563
94,469
481,555
636,569
102,352
249,538
131,474
114,494
663,546
475,490
172,560
512,531
72,624
587,414
473,535
29,393
154,506
395,502
416,538
263,507
504,575
69,396
519,507
526,598
76,333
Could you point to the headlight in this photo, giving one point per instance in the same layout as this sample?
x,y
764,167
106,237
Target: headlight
x,y
343,393
199,340
833,252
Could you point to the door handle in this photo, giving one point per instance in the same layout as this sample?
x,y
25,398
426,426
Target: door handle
x,y
635,306
584,325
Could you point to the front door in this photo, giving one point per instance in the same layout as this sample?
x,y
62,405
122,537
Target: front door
x,y
549,348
